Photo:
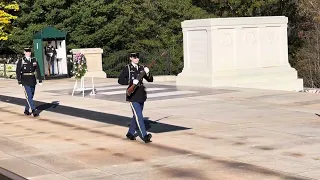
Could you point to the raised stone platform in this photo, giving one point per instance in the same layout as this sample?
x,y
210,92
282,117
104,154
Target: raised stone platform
x,y
239,134
238,52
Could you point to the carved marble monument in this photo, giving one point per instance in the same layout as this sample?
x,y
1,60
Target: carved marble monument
x,y
238,52
94,61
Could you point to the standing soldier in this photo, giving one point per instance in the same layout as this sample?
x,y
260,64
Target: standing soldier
x,y
26,68
129,76
50,53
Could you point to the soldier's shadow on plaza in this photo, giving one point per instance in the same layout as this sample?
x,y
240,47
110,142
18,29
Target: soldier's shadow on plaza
x,y
153,126
46,106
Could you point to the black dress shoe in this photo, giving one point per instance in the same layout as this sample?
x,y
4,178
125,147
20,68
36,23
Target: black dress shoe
x,y
147,138
35,113
27,113
131,137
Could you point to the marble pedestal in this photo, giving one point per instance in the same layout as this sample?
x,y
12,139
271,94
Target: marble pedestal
x,y
94,61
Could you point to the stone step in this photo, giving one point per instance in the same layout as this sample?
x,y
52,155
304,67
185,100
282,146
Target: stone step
x,y
275,84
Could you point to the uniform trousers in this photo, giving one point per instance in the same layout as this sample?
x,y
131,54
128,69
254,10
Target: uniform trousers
x,y
137,120
29,92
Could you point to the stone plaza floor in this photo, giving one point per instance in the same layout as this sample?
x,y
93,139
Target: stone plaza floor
x,y
198,133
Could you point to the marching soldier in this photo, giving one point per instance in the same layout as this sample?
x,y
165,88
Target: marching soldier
x,y
129,76
25,71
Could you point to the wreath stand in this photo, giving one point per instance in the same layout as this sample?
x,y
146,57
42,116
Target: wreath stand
x,y
82,87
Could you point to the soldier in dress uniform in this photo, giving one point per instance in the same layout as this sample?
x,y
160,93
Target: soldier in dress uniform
x,y
25,71
129,76
50,53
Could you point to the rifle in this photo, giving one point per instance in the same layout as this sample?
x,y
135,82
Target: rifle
x,y
133,87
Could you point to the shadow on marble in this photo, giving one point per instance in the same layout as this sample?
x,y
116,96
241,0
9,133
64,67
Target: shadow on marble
x,y
152,126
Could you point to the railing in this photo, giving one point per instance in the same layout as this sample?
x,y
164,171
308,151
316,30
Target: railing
x,y
113,64
8,65
9,58
8,70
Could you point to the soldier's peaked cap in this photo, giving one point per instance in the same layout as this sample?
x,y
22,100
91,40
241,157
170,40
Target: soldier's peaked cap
x,y
27,49
134,54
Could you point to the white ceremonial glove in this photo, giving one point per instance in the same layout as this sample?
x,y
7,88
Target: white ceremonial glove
x,y
146,69
40,84
20,84
135,81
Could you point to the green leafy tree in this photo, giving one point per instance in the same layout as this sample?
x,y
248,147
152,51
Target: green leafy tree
x,y
134,25
35,15
6,17
234,8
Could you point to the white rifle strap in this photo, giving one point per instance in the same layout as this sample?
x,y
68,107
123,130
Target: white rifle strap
x,y
21,64
129,73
